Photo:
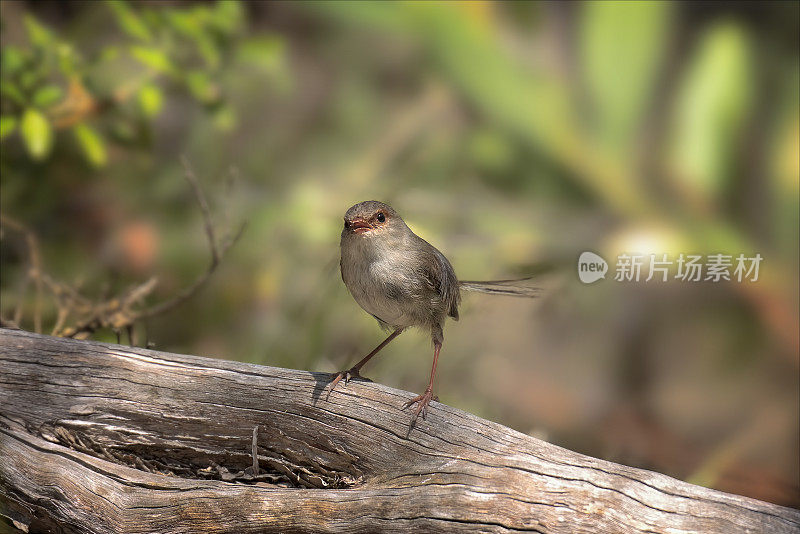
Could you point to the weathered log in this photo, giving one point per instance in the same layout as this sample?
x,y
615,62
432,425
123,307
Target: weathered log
x,y
113,439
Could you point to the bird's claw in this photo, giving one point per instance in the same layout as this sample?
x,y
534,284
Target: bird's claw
x,y
347,375
423,401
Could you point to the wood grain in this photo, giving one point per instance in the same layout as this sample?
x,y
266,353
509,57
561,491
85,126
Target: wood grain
x,y
112,439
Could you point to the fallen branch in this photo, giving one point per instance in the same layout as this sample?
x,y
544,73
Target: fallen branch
x,y
103,438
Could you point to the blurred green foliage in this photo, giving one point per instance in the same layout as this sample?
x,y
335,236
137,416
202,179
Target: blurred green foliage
x,y
52,85
511,135
622,47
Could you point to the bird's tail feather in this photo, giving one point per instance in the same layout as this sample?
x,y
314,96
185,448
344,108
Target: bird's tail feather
x,y
511,288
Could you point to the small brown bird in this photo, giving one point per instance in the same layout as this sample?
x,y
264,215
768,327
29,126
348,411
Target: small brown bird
x,y
403,281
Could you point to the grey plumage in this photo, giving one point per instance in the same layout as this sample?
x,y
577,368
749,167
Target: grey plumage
x,y
403,281
395,275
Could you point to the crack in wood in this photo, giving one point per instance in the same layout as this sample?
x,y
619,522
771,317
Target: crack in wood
x,y
275,469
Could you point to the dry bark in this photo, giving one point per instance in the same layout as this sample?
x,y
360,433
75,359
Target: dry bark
x,y
112,439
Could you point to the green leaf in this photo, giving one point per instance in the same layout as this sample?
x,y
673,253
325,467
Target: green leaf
x,y
10,90
710,110
153,58
129,21
784,162
208,49
94,148
39,35
228,16
187,23
622,44
46,96
13,59
192,24
67,58
7,125
37,133
202,88
151,100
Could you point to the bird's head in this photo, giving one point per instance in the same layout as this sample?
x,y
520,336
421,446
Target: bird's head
x,y
371,218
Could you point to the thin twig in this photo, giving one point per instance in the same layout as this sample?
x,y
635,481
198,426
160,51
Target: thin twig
x,y
116,313
34,269
217,250
203,203
60,319
254,450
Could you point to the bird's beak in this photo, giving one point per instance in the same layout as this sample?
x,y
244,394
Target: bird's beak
x,y
359,225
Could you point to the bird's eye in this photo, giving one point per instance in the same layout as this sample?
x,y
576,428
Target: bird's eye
x,y
381,217
346,223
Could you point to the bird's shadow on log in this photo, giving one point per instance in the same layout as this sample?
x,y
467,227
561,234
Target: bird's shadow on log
x,y
322,387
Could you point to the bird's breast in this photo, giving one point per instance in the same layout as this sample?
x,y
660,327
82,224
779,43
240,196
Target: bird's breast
x,y
383,286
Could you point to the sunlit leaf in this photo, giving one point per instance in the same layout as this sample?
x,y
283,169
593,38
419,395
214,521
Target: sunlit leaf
x,y
151,100
154,58
184,22
622,44
786,156
39,35
228,15
67,58
194,25
709,113
47,95
129,21
202,88
94,148
266,52
7,125
784,162
37,133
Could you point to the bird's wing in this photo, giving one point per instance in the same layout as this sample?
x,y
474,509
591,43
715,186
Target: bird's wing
x,y
440,277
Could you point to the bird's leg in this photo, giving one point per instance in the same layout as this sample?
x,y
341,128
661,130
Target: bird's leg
x,y
353,371
425,399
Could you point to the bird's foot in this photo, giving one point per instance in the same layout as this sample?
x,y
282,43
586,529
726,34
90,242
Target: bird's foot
x,y
346,375
422,402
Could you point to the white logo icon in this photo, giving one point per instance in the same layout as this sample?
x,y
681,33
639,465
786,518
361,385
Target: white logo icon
x,y
591,267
